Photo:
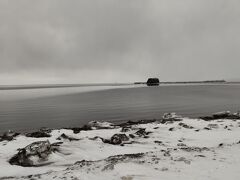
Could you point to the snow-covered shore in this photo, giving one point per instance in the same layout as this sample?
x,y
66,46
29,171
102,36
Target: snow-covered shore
x,y
170,148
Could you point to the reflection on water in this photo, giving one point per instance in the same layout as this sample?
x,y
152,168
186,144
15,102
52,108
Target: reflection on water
x,y
39,108
27,92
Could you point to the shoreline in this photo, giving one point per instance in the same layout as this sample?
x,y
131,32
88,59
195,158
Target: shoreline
x,y
48,86
114,122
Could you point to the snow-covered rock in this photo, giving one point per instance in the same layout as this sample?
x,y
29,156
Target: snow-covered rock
x,y
100,125
172,117
35,154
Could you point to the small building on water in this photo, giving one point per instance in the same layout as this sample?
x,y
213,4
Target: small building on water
x,y
153,82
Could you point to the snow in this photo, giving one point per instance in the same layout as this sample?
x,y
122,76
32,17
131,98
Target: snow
x,y
183,153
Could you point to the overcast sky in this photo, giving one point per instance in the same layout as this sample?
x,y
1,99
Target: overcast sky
x,y
79,41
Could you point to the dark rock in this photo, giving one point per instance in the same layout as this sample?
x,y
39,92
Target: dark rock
x,y
118,138
33,154
181,144
220,145
158,142
77,130
38,134
95,138
130,123
183,159
142,132
167,154
56,144
131,136
191,149
100,125
64,136
206,118
125,129
206,128
8,136
85,128
108,141
92,125
200,155
171,117
46,130
222,115
185,125
171,129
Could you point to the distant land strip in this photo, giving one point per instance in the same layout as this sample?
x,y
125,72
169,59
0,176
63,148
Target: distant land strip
x,y
43,86
190,82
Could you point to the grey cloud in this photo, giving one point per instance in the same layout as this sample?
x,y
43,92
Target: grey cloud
x,y
119,40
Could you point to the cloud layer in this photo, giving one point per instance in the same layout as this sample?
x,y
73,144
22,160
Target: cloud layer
x,y
118,41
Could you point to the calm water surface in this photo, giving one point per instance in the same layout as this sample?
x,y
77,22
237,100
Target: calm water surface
x,y
67,107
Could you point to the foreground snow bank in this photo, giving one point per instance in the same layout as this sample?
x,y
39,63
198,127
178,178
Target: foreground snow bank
x,y
170,148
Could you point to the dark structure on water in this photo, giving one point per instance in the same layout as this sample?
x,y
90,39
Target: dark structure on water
x,y
153,82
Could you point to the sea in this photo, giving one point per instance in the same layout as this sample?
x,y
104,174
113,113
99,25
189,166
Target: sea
x,y
30,108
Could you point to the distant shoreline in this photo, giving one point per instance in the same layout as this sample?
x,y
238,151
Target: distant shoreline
x,y
47,86
188,82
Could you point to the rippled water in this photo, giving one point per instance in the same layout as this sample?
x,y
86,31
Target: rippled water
x,y
68,107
